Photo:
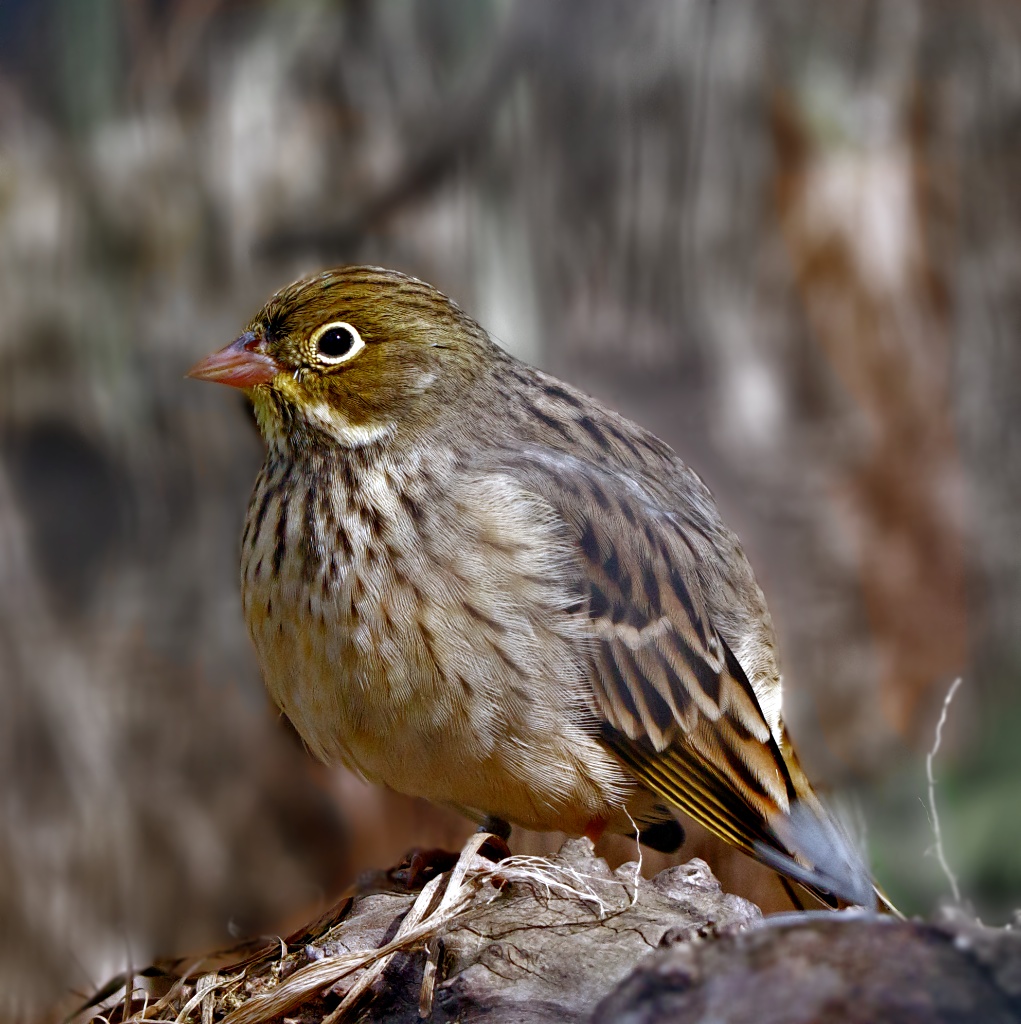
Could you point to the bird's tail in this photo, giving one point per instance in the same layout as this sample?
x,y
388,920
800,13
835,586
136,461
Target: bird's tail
x,y
802,841
814,850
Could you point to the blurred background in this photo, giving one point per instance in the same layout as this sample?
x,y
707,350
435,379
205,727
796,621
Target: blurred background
x,y
785,236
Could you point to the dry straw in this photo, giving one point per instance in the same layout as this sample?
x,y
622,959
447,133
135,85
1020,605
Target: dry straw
x,y
445,903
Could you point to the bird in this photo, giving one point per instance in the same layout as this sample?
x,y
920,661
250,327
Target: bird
x,y
469,581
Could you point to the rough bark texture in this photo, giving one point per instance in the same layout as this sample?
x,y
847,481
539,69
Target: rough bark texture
x,y
679,949
539,958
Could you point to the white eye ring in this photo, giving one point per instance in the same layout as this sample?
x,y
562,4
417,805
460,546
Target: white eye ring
x,y
336,334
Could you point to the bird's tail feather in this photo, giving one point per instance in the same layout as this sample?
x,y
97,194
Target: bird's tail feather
x,y
820,855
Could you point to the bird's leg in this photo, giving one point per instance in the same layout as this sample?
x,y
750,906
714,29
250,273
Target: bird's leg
x,y
595,829
496,848
495,826
664,836
420,866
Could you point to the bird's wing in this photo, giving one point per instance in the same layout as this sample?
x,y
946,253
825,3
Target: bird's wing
x,y
676,705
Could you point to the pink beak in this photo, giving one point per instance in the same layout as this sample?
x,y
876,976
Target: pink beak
x,y
240,364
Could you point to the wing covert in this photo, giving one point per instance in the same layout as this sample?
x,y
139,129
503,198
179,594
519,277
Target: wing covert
x,y
677,706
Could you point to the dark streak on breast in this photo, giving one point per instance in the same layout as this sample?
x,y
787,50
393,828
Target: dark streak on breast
x,y
430,644
280,549
345,544
411,506
310,548
260,512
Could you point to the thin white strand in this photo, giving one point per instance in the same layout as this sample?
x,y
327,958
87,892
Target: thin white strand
x,y
555,879
638,863
933,813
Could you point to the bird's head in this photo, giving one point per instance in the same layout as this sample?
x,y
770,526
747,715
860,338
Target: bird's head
x,y
353,354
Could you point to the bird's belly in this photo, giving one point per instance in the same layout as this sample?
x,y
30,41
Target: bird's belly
x,y
395,723
449,674
461,752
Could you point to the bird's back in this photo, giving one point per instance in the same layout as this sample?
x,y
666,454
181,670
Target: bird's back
x,y
552,415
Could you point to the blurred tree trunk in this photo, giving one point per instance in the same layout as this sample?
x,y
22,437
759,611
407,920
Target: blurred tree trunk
x,y
856,220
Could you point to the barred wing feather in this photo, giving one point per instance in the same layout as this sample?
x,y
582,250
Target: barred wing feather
x,y
677,706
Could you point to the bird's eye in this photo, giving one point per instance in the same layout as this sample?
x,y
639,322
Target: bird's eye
x,y
336,342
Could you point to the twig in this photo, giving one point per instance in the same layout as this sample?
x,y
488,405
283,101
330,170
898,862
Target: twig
x,y
205,985
933,813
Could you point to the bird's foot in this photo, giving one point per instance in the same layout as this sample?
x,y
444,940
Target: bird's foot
x,y
420,867
495,847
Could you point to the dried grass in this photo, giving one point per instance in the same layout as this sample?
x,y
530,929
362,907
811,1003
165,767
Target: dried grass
x,y
265,986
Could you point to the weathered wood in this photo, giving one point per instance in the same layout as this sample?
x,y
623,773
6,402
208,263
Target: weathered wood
x,y
567,940
837,967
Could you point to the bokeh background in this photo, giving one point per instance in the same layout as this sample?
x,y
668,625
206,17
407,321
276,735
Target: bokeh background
x,y
785,236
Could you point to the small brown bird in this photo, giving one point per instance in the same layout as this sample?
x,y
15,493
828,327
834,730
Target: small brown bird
x,y
473,583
